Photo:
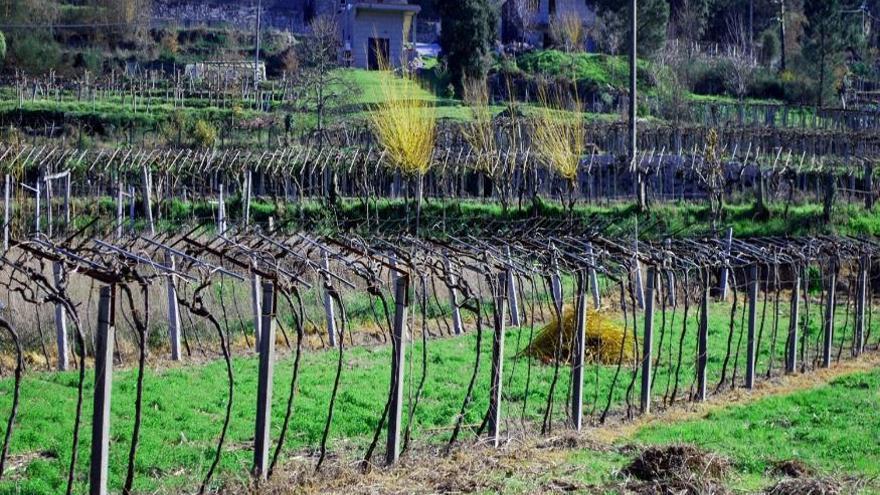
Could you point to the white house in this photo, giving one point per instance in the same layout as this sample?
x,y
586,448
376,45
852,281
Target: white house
x,y
377,31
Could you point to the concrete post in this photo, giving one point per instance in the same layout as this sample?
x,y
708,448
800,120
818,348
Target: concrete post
x,y
262,430
577,358
329,310
60,321
751,351
395,412
497,373
648,341
793,323
173,309
829,317
104,343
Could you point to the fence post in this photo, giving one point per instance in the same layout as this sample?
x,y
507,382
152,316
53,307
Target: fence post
x,y
829,316
640,286
37,190
6,212
703,342
594,278
104,343
556,289
67,187
395,412
247,197
221,212
148,200
577,362
793,322
119,217
670,279
262,431
173,309
861,295
131,207
457,327
726,270
329,310
753,312
648,341
257,311
512,294
60,320
494,420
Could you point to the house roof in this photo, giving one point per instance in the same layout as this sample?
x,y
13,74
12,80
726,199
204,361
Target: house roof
x,y
386,7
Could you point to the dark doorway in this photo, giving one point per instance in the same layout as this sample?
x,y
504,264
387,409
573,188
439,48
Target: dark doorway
x,y
379,52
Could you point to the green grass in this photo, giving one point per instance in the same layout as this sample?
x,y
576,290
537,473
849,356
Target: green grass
x,y
832,429
183,408
597,69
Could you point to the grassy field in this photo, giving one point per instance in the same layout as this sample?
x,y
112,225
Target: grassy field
x,y
183,407
831,428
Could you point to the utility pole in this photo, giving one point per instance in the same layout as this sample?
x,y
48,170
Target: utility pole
x,y
634,102
782,34
257,49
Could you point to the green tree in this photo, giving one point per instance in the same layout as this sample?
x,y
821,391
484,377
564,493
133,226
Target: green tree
x,y
469,32
825,38
653,21
2,47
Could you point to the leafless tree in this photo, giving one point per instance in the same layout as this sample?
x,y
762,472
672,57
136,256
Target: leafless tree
x,y
321,84
740,61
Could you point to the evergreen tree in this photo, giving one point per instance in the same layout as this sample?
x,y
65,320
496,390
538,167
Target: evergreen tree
x,y
652,23
467,36
825,38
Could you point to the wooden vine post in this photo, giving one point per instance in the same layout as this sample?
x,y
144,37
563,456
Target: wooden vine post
x,y
793,322
398,336
861,296
119,209
577,358
262,431
457,326
104,344
830,301
497,373
648,341
6,211
703,343
751,339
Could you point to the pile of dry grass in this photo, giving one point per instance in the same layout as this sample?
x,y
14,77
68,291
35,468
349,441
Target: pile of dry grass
x,y
792,468
806,486
677,469
604,340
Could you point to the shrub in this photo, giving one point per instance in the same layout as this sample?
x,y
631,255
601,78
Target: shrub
x,y
204,134
35,53
2,46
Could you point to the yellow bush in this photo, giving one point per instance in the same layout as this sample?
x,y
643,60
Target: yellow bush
x,y
405,123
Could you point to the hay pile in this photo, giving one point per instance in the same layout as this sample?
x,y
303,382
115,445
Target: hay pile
x,y
806,486
603,340
677,469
